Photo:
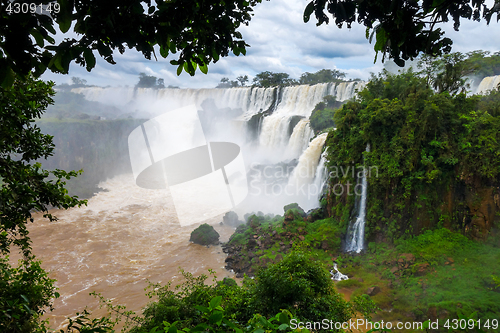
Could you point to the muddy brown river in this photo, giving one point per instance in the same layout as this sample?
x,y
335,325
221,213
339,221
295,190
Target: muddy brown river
x,y
124,237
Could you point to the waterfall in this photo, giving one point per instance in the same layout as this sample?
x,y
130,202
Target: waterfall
x,y
279,104
250,100
304,182
337,276
488,83
300,101
270,125
299,140
321,174
356,231
305,171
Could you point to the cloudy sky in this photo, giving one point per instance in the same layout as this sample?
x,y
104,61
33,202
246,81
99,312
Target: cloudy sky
x,y
280,42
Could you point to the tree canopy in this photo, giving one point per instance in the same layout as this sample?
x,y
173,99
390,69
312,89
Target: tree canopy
x,y
202,31
424,144
269,79
402,29
150,81
322,76
25,186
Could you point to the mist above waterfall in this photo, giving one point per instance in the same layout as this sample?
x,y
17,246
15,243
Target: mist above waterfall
x,y
270,125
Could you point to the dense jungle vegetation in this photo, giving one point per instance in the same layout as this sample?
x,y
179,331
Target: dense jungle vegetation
x,y
202,32
436,156
433,211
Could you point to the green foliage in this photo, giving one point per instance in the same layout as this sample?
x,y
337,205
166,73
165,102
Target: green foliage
x,y
26,187
447,275
205,234
322,232
215,321
202,31
149,81
423,143
322,116
295,208
242,79
83,323
301,286
405,29
447,73
483,63
496,280
322,76
365,305
194,306
25,295
270,79
225,83
433,246
226,307
26,291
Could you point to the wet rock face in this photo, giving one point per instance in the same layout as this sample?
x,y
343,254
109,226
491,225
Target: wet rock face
x,y
483,206
470,204
294,206
204,235
372,291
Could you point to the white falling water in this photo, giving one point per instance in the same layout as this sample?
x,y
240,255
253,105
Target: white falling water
x,y
321,174
284,103
346,90
277,143
337,276
487,84
303,185
157,101
300,101
356,232
299,140
305,172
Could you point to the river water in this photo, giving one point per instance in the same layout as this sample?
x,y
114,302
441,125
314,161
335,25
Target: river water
x,y
125,236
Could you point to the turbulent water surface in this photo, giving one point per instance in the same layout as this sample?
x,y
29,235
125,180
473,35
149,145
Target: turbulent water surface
x,y
124,237
128,234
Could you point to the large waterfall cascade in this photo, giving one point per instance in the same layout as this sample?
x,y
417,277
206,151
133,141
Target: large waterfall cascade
x,y
282,104
299,101
283,134
356,231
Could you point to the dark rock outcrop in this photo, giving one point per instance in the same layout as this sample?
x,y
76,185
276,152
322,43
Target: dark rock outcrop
x,y
204,235
372,291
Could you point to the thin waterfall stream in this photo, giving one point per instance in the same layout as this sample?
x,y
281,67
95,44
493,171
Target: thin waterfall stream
x,y
356,231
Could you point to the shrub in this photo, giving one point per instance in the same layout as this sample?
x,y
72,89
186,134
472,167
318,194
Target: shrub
x,y
302,286
204,235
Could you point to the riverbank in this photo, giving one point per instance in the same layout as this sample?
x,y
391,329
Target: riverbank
x,y
124,237
437,275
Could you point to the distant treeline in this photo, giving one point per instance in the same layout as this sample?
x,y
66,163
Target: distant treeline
x,y
271,79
